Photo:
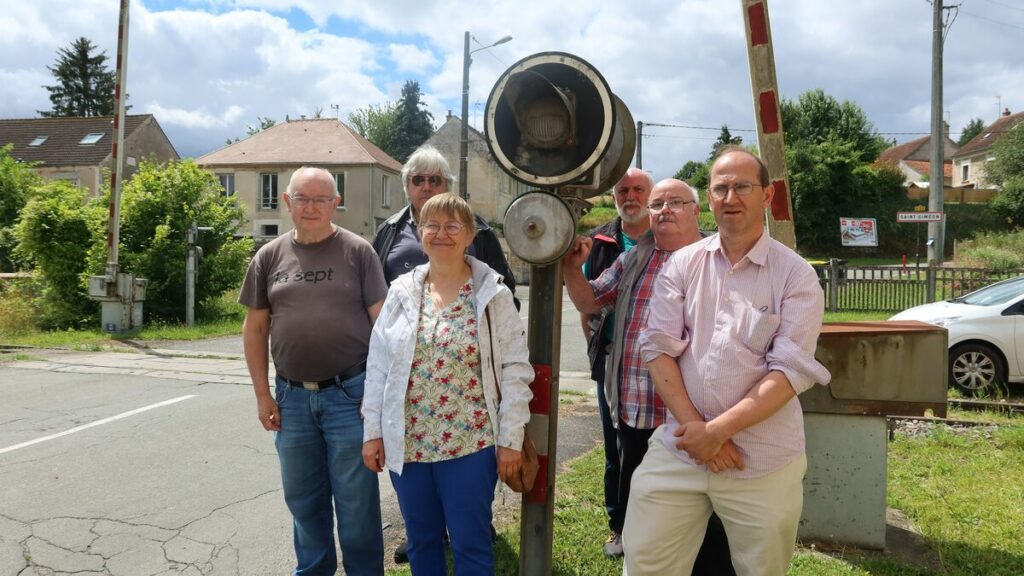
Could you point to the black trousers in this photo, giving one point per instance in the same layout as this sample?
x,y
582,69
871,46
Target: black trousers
x,y
713,558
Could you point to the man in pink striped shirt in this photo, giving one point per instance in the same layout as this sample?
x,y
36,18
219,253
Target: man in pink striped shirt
x,y
729,344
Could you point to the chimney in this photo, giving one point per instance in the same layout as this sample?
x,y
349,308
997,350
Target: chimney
x,y
1006,111
449,115
945,129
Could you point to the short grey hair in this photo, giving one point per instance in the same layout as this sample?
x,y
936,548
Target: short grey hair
x,y
426,160
313,170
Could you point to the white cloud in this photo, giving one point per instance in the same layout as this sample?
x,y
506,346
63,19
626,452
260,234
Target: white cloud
x,y
411,58
212,66
194,118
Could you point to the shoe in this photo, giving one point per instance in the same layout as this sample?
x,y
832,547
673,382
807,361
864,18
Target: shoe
x,y
613,545
402,552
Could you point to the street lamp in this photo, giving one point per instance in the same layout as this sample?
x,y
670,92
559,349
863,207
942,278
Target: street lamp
x,y
464,144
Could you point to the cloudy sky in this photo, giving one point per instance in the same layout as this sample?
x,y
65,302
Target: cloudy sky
x,y
208,68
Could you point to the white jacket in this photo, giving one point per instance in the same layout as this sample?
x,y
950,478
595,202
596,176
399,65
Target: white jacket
x,y
393,342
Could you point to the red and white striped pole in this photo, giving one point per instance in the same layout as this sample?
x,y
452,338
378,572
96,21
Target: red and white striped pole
x,y
768,114
544,340
114,217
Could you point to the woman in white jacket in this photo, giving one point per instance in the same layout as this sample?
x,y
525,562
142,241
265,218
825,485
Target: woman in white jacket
x,y
447,394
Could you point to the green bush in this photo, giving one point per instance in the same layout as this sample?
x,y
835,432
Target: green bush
x,y
158,206
1009,203
19,302
999,251
54,234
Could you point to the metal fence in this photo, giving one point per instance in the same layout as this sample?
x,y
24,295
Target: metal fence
x,y
896,288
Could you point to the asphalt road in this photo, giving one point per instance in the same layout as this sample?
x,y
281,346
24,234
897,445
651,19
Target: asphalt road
x,y
153,462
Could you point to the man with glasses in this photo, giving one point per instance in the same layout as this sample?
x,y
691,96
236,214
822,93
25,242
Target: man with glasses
x,y
730,342
626,289
315,292
397,241
630,194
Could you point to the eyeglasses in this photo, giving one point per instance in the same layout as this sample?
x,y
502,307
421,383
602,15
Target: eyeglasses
x,y
720,191
318,201
418,180
450,228
674,205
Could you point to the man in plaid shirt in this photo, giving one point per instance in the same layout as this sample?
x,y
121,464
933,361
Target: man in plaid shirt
x,y
627,287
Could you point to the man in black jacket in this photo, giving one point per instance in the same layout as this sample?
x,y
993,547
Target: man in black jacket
x,y
620,235
397,242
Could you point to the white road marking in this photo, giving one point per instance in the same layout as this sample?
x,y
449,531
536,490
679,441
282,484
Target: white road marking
x,y
96,423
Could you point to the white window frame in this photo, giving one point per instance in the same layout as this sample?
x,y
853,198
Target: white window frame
x,y
39,141
385,190
268,201
339,180
227,183
965,172
92,138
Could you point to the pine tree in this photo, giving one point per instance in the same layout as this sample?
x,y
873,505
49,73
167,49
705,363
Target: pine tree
x,y
725,138
85,87
413,125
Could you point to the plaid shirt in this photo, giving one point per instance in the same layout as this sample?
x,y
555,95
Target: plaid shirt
x,y
640,406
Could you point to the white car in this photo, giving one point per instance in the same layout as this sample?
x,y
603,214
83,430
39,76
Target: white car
x,y
986,334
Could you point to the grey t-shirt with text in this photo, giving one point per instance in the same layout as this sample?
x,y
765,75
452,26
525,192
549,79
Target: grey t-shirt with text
x,y
317,295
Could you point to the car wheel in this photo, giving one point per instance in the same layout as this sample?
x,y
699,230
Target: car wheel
x,y
975,368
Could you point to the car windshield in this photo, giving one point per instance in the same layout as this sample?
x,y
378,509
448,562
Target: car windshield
x,y
998,293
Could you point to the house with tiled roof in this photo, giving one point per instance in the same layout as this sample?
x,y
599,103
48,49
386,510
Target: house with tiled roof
x,y
258,169
969,161
490,189
914,158
78,149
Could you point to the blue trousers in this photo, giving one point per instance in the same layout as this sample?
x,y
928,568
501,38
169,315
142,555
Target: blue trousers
x,y
454,495
320,448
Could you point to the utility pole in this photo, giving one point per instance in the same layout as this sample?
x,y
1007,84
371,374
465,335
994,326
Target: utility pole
x,y
464,139
639,144
937,187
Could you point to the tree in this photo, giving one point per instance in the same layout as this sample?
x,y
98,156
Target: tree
x,y
696,174
158,205
16,182
725,138
413,124
817,117
973,128
250,129
57,226
1006,170
85,87
829,150
377,124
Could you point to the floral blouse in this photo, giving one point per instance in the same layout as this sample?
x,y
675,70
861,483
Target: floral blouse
x,y
445,413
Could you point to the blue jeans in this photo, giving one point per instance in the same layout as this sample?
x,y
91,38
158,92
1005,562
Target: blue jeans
x,y
320,448
455,495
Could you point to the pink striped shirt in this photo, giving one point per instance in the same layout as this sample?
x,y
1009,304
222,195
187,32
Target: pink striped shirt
x,y
728,326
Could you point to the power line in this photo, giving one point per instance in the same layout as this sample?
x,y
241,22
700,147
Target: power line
x,y
980,17
1004,5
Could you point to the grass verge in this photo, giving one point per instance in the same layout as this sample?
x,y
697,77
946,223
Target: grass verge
x,y
96,340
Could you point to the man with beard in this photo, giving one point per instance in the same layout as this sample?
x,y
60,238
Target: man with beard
x,y
631,193
625,290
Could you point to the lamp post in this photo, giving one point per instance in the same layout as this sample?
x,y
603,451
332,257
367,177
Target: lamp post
x,y
464,143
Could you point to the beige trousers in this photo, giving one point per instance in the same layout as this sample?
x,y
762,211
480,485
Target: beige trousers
x,y
671,501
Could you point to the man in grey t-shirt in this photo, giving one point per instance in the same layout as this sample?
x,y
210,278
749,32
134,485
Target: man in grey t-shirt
x,y
315,292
